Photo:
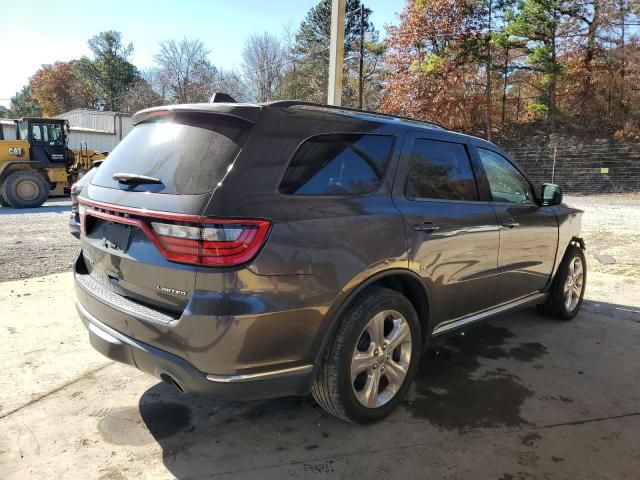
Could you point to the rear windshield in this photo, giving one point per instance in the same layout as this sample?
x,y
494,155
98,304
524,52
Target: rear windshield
x,y
188,153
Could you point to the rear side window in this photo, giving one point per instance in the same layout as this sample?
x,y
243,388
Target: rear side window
x,y
188,153
338,164
440,170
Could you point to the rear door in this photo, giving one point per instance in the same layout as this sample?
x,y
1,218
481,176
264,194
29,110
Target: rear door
x,y
528,231
452,235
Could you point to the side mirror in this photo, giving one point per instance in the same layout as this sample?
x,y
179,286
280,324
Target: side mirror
x,y
551,194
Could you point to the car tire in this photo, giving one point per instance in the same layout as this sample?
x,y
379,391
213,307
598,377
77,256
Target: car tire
x,y
372,359
24,189
567,291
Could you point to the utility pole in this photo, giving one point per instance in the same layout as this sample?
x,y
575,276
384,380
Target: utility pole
x,y
623,13
488,88
361,70
336,52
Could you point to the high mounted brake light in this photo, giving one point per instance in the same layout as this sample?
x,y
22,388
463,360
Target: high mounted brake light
x,y
189,238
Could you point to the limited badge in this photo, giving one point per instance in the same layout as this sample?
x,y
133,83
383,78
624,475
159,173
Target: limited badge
x,y
171,290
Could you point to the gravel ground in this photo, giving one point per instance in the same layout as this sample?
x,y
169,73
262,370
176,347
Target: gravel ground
x,y
36,242
611,226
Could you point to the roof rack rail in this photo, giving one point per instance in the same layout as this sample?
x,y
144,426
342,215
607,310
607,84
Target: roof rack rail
x,y
293,103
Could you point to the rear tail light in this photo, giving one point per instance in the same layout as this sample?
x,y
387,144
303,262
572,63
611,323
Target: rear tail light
x,y
188,238
224,244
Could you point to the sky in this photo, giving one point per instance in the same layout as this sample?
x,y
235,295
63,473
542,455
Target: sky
x,y
42,32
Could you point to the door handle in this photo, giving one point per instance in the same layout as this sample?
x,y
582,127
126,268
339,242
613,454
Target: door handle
x,y
425,227
510,223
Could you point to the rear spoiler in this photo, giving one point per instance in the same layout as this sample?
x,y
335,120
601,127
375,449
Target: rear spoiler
x,y
245,112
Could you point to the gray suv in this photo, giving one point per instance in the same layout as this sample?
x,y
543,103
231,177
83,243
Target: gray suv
x,y
249,251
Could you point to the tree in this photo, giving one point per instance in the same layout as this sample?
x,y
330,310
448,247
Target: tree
x,y
433,64
308,74
140,96
5,112
596,87
263,65
537,23
24,105
230,82
185,74
110,75
57,89
559,64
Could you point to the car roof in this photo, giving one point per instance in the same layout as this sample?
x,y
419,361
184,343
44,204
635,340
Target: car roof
x,y
356,113
250,112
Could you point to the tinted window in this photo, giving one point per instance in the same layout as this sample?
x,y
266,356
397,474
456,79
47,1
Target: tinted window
x,y
507,184
338,164
189,154
47,133
440,170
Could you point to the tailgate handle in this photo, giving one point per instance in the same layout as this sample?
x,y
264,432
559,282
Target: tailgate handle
x,y
425,227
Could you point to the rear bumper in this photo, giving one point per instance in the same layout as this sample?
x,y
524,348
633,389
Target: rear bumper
x,y
167,366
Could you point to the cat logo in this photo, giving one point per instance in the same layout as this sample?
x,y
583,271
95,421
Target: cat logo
x,y
16,151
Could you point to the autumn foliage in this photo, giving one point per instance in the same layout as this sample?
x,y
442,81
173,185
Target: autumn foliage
x,y
58,89
428,73
493,68
489,66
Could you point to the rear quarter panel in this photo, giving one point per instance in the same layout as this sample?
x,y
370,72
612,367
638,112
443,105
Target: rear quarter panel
x,y
328,243
332,237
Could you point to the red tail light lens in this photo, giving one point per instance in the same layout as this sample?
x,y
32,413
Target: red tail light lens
x,y
222,244
187,238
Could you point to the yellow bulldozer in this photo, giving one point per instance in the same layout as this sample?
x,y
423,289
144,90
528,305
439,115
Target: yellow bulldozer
x,y
39,163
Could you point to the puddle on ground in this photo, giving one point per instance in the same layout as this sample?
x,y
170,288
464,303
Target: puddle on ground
x,y
451,396
144,424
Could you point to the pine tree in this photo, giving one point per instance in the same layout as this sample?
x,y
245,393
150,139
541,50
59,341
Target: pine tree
x,y
110,75
308,73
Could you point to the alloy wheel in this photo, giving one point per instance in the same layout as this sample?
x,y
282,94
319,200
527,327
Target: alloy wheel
x,y
381,359
574,284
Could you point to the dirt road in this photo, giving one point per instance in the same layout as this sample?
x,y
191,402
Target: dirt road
x,y
522,397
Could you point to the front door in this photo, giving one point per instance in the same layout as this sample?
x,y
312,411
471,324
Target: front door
x,y
528,231
47,142
452,237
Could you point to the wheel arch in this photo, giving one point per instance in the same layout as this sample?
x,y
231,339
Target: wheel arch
x,y
575,241
404,281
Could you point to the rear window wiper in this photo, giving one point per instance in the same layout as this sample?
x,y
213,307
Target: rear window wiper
x,y
134,179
